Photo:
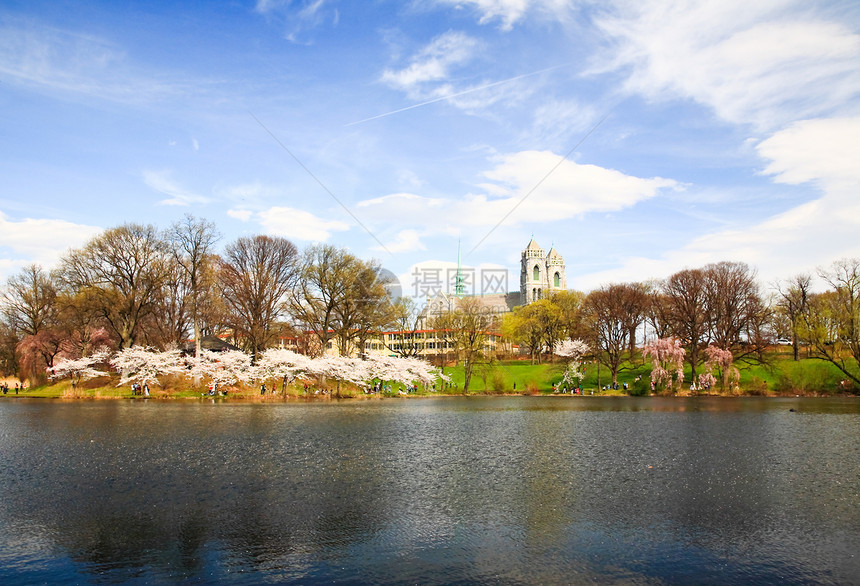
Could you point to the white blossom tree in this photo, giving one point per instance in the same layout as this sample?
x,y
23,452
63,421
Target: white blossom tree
x,y
573,350
145,365
80,368
281,364
222,368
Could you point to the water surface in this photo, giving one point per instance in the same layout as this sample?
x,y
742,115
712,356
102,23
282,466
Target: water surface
x,y
449,490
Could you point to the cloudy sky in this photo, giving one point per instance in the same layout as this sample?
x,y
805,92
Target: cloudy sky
x,y
638,137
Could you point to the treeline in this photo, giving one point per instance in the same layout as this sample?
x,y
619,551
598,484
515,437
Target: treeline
x,y
135,285
720,306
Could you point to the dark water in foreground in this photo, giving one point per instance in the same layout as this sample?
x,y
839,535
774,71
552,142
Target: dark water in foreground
x,y
457,490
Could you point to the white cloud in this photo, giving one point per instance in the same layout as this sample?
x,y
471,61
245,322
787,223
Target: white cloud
x,y
242,215
298,224
815,233
39,240
509,12
823,151
405,241
433,63
54,60
520,192
161,182
298,16
763,63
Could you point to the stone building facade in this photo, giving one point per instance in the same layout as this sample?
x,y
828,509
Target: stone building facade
x,y
540,274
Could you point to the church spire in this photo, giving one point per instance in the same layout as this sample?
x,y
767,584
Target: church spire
x,y
458,284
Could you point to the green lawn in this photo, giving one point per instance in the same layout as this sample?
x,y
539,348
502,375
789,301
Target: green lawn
x,y
781,376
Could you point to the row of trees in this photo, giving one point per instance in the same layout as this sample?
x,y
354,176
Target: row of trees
x,y
719,306
137,285
275,365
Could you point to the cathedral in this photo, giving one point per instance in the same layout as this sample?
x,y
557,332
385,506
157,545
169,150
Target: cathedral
x,y
540,274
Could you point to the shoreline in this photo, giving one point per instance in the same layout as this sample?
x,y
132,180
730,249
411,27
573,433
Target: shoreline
x,y
242,397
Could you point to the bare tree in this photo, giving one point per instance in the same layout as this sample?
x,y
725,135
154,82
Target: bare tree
x,y
736,310
794,301
687,312
365,306
659,312
326,279
832,326
191,243
30,301
610,314
406,319
468,327
120,274
29,305
256,274
168,324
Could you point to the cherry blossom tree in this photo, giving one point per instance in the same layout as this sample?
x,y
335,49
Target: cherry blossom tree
x,y
78,369
222,368
145,365
404,370
573,350
720,361
279,363
667,362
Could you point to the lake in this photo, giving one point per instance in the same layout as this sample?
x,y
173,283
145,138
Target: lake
x,y
513,490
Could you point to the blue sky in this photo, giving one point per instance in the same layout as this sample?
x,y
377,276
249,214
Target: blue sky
x,y
637,137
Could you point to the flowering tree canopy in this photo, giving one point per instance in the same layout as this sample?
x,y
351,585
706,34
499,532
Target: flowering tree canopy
x,y
279,363
720,361
145,364
223,368
574,350
80,368
667,360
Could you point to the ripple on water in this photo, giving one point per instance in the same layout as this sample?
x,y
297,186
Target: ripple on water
x,y
512,490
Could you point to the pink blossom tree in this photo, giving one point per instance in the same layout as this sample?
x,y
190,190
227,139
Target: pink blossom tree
x,y
720,362
667,363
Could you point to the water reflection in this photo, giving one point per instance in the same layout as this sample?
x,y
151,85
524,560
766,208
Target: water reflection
x,y
517,490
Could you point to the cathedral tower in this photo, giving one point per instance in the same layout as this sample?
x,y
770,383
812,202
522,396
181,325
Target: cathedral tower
x,y
540,275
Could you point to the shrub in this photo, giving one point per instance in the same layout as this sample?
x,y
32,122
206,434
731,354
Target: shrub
x,y
640,388
497,381
757,387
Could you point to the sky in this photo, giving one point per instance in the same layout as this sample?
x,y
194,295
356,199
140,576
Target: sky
x,y
637,137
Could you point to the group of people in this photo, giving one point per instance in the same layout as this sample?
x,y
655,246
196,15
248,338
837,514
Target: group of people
x,y
5,387
264,390
379,387
137,389
577,390
213,390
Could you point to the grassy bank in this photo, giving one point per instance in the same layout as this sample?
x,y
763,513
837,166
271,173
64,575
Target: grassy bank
x,y
781,376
